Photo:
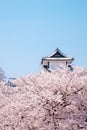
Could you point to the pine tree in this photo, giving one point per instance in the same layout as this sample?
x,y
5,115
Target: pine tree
x,y
2,75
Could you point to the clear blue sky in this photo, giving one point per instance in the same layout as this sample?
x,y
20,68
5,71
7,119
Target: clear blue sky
x,y
31,29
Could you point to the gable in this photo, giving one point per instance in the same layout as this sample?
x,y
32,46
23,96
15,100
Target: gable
x,y
57,55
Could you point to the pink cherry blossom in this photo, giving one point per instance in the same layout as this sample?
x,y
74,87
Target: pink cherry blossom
x,y
45,101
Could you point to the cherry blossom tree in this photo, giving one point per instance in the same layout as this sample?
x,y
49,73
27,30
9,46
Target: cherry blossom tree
x,y
46,101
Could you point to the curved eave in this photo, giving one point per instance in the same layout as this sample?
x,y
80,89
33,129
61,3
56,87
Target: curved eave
x,y
67,59
57,59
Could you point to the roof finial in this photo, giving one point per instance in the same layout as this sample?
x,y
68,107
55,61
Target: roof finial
x,y
57,49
